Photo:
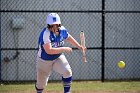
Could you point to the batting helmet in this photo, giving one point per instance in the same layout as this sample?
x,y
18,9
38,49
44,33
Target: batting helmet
x,y
53,18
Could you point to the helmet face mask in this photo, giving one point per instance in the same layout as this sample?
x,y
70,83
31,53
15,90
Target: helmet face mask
x,y
53,18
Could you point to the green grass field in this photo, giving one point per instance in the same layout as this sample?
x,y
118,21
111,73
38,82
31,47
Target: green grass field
x,y
77,87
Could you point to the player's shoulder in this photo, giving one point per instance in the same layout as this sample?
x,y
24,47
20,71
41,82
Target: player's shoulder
x,y
45,31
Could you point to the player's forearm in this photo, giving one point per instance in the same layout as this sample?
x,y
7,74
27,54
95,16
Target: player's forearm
x,y
56,50
73,42
51,50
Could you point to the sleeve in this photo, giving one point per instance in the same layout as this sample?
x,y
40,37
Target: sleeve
x,y
46,37
64,32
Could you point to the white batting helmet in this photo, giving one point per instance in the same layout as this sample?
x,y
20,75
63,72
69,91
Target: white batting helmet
x,y
53,18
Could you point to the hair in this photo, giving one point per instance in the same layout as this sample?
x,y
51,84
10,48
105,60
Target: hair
x,y
49,26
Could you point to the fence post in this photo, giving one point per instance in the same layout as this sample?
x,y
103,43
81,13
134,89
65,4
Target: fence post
x,y
0,47
103,41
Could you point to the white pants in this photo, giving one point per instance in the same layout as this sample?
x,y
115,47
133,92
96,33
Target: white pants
x,y
44,69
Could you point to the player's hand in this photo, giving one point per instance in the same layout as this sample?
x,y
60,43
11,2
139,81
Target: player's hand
x,y
68,49
83,48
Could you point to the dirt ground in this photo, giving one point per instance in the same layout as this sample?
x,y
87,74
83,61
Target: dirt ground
x,y
74,92
96,92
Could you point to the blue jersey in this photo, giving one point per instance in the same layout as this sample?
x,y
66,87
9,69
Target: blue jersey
x,y
47,36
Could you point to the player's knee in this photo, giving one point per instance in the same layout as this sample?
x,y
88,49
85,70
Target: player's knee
x,y
68,73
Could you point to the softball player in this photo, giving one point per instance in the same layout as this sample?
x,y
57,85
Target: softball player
x,y
51,53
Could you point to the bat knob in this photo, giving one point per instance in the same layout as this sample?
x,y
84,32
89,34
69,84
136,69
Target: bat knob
x,y
84,59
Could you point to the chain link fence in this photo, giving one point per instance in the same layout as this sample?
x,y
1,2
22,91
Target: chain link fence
x,y
22,21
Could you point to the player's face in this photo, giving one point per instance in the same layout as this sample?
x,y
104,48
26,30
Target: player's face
x,y
55,28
